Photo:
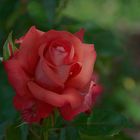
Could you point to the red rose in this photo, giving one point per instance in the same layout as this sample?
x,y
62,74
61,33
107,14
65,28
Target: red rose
x,y
51,70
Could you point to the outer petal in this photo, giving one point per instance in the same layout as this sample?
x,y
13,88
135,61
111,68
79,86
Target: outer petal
x,y
17,77
80,34
32,110
98,89
68,113
22,102
20,40
69,96
28,51
84,77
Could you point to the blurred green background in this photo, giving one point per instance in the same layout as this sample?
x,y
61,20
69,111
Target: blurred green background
x,y
112,25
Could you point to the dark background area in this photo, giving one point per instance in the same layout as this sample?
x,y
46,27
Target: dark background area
x,y
114,28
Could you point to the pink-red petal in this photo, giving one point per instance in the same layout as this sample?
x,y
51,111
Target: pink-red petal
x,y
45,76
69,96
80,34
69,113
75,69
28,51
17,77
53,35
32,110
85,75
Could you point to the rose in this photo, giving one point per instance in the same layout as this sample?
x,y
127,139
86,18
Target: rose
x,y
51,70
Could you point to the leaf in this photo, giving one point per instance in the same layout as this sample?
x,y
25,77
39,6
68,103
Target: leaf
x,y
120,136
2,127
107,43
8,48
7,112
51,11
38,16
53,136
63,134
66,133
72,133
12,132
101,122
24,131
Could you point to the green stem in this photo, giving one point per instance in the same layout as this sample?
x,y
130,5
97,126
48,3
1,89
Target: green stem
x,y
34,133
46,126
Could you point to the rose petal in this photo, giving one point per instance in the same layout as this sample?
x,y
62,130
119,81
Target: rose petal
x,y
80,34
69,96
22,102
59,55
46,69
20,40
60,52
17,77
45,76
53,35
28,51
69,113
98,89
84,77
75,69
31,109
63,72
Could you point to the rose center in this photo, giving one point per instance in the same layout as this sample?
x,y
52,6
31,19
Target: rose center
x,y
59,54
59,50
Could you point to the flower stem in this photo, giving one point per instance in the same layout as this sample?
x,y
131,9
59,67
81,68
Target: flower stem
x,y
52,119
34,133
46,126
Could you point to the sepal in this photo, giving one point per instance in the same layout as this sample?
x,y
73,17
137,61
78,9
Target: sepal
x,y
9,48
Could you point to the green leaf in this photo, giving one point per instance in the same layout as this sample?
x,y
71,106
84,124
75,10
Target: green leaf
x,y
12,132
38,16
101,122
24,131
72,133
120,136
47,124
9,48
51,6
65,133
53,135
